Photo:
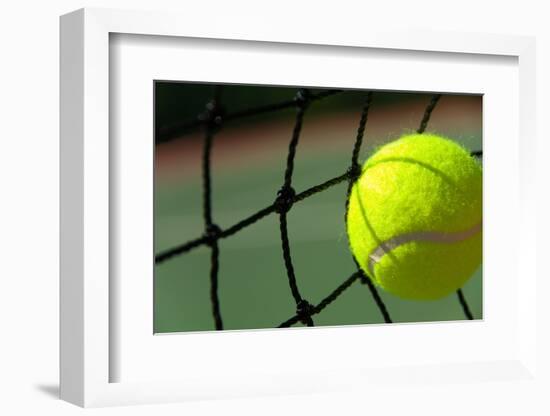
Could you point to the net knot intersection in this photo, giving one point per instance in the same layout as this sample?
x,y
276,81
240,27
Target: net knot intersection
x,y
363,278
354,172
213,115
302,98
304,310
212,234
285,199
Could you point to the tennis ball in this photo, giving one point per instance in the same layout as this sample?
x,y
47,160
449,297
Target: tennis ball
x,y
414,217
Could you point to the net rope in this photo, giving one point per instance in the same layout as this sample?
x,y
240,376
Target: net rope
x,y
211,121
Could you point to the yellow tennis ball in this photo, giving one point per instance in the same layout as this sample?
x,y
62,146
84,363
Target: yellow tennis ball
x,y
414,218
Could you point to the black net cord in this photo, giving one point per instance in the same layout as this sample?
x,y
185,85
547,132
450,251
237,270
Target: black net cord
x,y
214,298
252,219
377,299
176,130
213,118
285,243
206,178
355,169
283,203
464,304
354,173
428,113
326,301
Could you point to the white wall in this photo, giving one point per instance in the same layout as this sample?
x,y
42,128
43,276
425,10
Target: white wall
x,y
29,183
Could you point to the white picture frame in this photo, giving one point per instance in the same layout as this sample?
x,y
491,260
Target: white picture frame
x,y
90,313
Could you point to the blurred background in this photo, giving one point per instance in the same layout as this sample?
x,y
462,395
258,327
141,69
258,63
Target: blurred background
x,y
248,163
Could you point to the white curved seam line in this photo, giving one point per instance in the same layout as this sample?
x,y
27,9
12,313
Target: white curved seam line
x,y
429,236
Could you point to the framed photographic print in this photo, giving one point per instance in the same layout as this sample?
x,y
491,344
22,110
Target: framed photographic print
x,y
277,213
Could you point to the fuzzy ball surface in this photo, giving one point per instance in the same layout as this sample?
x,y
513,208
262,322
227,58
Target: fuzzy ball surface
x,y
414,218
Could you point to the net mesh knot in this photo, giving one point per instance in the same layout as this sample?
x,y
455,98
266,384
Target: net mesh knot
x,y
304,310
354,172
363,278
212,234
285,199
213,115
302,98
